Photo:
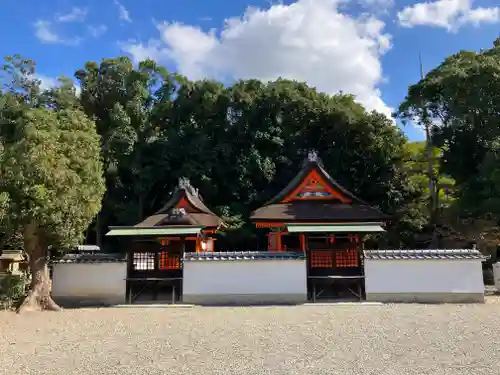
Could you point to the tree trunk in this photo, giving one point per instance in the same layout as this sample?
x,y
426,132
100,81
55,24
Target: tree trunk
x,y
97,230
38,297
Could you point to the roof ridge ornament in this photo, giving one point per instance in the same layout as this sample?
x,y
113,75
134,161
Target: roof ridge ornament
x,y
312,156
185,184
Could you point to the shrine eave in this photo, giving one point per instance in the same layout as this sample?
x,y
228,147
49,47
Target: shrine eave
x,y
154,231
317,211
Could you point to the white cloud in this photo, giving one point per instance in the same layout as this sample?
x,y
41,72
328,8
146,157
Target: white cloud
x,y
96,31
153,49
447,14
309,40
478,15
123,12
76,15
44,32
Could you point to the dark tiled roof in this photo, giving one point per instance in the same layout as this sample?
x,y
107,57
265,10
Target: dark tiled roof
x,y
423,254
198,215
151,220
183,219
184,189
317,211
92,258
243,255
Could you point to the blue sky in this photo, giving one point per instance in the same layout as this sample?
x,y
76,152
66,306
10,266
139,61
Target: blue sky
x,y
366,47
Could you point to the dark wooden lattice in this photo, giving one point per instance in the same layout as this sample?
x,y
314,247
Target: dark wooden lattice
x,y
168,261
144,261
334,259
321,259
346,258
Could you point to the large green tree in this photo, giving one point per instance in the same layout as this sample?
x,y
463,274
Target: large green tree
x,y
130,106
238,144
243,143
461,99
51,176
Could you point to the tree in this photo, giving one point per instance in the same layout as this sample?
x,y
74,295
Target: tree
x,y
52,175
416,162
62,96
130,106
424,230
238,144
247,141
461,99
51,181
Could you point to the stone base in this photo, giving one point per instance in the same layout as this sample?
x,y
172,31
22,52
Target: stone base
x,y
86,301
426,297
244,299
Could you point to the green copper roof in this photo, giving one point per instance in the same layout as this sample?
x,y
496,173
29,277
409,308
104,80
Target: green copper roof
x,y
335,228
153,231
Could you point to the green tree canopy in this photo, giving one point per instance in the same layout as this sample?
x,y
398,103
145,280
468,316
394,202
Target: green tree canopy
x,y
461,99
238,144
51,177
129,105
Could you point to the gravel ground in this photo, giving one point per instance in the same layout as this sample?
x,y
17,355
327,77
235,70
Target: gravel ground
x,y
320,339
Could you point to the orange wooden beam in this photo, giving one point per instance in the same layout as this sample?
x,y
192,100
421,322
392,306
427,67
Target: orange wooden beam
x,y
269,225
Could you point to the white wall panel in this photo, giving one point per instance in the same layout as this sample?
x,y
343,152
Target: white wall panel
x,y
245,277
423,276
496,275
90,281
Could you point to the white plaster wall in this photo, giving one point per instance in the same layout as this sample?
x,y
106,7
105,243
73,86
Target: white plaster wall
x,y
496,274
245,277
423,276
90,281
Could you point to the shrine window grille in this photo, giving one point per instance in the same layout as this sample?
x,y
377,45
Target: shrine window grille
x,y
347,258
168,261
321,259
143,261
334,258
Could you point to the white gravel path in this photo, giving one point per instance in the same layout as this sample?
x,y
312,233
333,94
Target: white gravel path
x,y
335,339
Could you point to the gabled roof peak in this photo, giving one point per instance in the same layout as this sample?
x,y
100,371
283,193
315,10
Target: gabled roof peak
x,y
184,189
185,207
313,171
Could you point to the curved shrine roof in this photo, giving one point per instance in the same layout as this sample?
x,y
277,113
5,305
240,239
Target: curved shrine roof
x,y
185,207
313,195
